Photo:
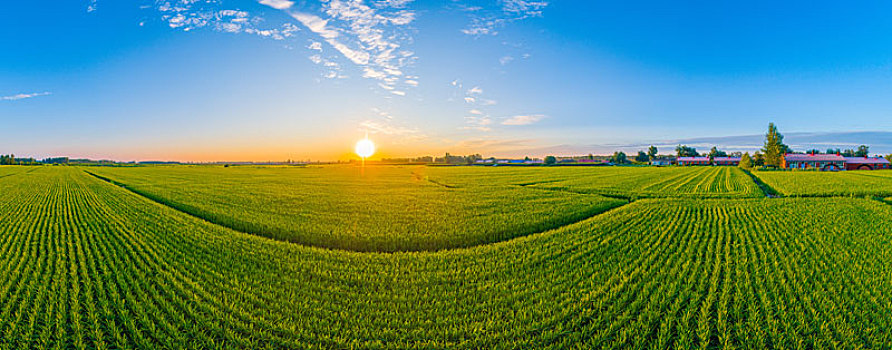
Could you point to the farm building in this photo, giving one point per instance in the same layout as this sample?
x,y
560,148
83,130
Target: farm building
x,y
866,163
705,161
661,162
814,161
735,161
693,160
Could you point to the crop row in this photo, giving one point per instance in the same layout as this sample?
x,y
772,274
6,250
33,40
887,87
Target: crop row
x,y
86,264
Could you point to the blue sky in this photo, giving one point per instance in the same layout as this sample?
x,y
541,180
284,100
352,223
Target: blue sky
x,y
274,79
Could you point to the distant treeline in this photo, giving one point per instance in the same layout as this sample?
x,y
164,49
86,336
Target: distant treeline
x,y
445,159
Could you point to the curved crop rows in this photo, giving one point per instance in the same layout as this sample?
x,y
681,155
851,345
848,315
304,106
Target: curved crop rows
x,y
86,264
383,209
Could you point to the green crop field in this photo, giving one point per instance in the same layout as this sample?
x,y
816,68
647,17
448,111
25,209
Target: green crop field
x,y
877,183
380,209
700,182
86,263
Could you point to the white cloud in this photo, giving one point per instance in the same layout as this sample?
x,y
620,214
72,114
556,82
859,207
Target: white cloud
x,y
188,15
475,91
370,34
523,119
487,21
92,6
505,60
475,111
470,99
278,4
17,97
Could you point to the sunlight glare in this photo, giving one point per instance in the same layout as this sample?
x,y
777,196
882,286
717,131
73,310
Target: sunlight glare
x,y
365,148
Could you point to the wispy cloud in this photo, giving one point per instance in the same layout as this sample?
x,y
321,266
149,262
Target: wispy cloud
x,y
372,35
188,15
17,97
91,6
523,119
488,20
278,4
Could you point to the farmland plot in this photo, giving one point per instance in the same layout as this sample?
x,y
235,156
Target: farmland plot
x,y
699,182
876,183
6,170
86,264
380,209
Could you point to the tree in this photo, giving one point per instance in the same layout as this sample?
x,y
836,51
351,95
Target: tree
x,y
862,151
618,158
758,159
746,162
848,153
549,160
642,157
813,151
889,157
7,159
774,147
714,152
685,151
652,153
833,151
591,156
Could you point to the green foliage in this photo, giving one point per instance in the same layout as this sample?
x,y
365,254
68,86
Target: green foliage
x,y
652,152
758,159
715,152
863,151
550,160
746,162
380,208
642,157
774,148
618,158
87,265
685,151
7,159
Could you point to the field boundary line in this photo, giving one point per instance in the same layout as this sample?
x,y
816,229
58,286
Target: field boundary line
x,y
769,191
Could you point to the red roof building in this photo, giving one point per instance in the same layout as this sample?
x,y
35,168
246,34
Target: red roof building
x,y
705,161
814,161
693,160
866,163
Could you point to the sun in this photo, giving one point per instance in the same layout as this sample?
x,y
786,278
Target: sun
x,y
365,148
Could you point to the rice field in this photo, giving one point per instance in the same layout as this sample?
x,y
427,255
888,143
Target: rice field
x,y
629,182
875,183
87,264
376,209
